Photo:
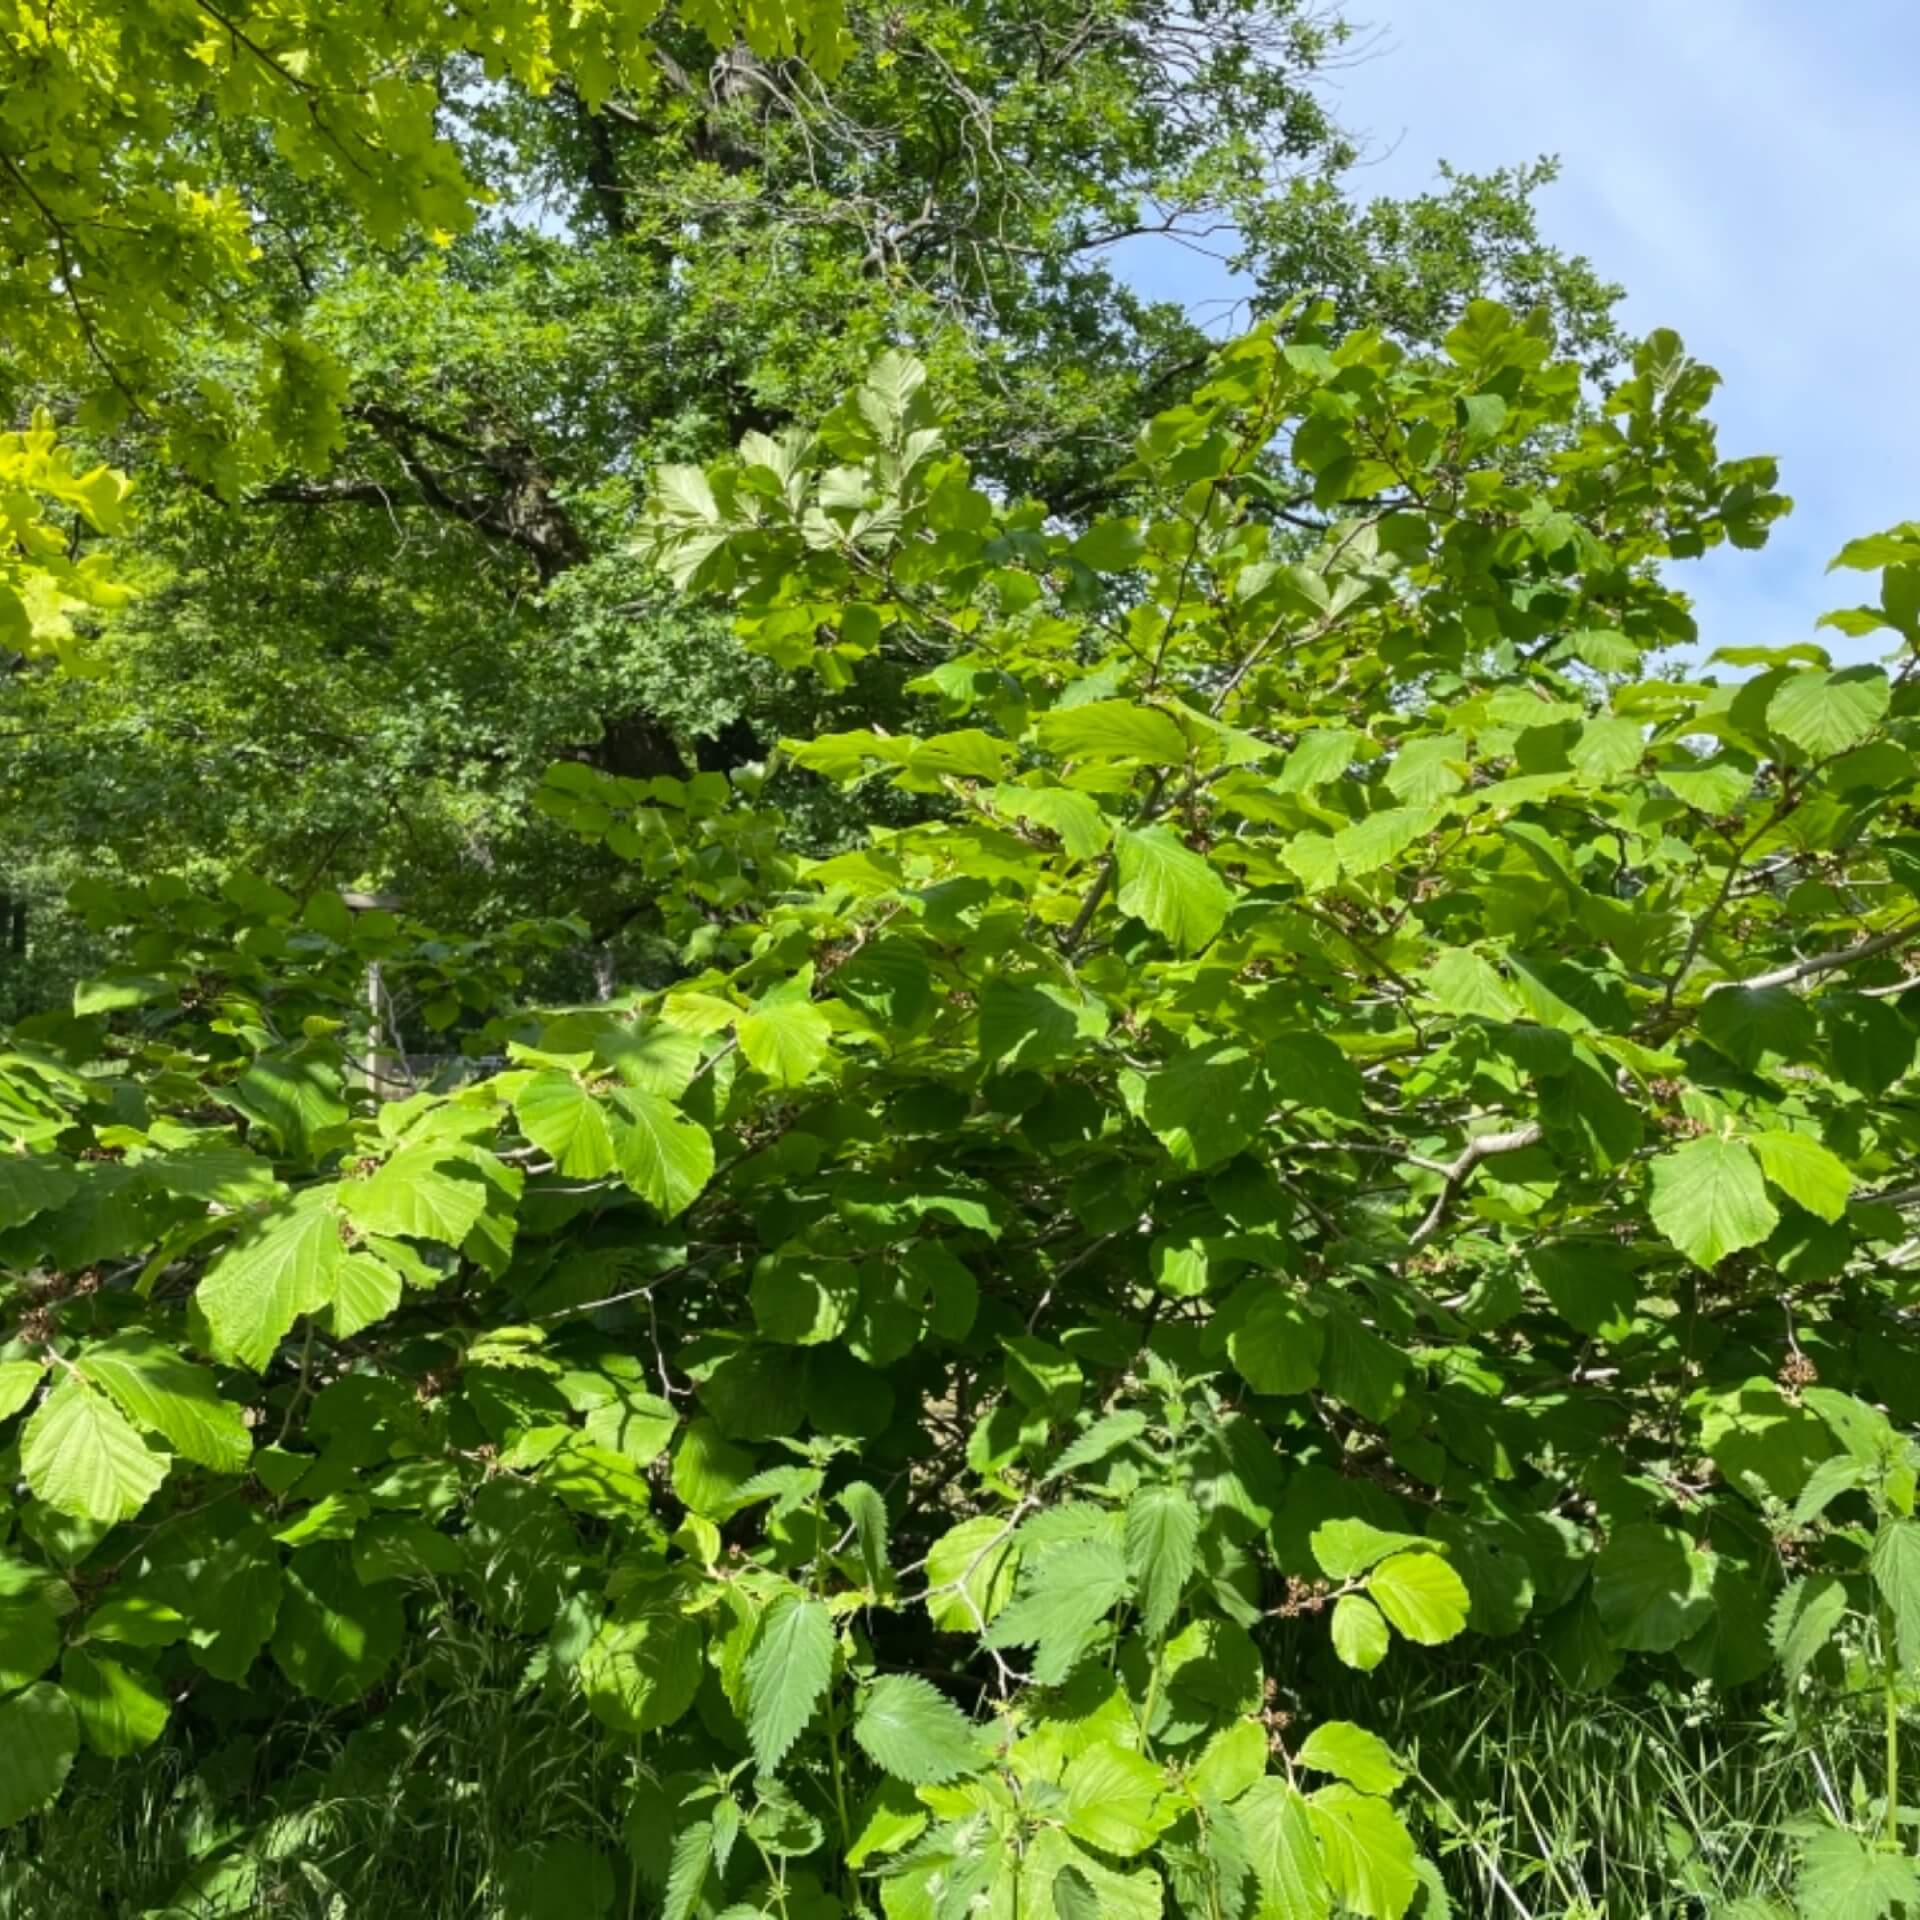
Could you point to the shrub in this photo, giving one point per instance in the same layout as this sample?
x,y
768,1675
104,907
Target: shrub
x,y
1355,1111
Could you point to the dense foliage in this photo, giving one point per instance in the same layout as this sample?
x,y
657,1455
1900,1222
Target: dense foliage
x,y
1333,1106
356,647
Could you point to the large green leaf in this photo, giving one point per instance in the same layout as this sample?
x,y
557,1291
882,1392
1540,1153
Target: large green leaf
x,y
1803,1621
120,1711
165,1391
1170,887
786,1673
82,1455
785,1037
1422,1595
1360,1636
1112,730
1806,1172
420,1192
642,1669
1352,1754
1277,1344
664,1157
912,1731
334,1637
1843,1877
1896,1572
1653,1587
568,1124
1710,1201
19,1382
1284,1852
281,1267
1163,1532
1113,1799
970,1574
1369,1852
1825,713
1061,1606
39,1735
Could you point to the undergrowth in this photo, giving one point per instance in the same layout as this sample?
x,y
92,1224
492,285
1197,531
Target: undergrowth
x,y
447,1804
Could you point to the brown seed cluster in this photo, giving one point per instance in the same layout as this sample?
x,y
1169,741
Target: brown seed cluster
x,y
1797,1371
1302,1597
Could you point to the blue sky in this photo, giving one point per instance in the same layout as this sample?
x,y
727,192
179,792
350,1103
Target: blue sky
x,y
1750,171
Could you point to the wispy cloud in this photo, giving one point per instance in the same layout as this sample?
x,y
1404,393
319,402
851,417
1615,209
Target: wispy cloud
x,y
1750,170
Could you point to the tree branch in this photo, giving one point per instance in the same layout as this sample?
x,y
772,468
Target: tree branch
x,y
1485,1147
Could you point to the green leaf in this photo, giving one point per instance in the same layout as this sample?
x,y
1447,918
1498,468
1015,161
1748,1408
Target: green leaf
x,y
1163,1530
297,1098
890,1818
786,1673
1423,1596
1171,888
1283,1851
1762,1443
1360,1636
1843,1877
1348,1547
1608,747
1084,830
119,1712
29,1631
1653,1588
567,1124
978,1561
1368,1851
1428,769
39,1735
1896,1572
634,1424
281,1267
1710,1201
1110,545
912,1731
1806,1172
642,1668
1461,982
31,1184
1352,1754
1232,1761
664,1157
1803,1620
1369,844
1319,757
1112,730
335,1638
1107,1435
421,1193
1278,1344
1073,1896
365,1291
1063,1603
82,1456
19,1382
1112,1798
687,1874
179,1401
1826,713
862,1504
785,1038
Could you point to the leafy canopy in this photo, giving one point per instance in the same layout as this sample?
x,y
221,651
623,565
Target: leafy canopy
x,y
1312,996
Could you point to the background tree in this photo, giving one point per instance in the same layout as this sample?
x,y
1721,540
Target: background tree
x,y
352,661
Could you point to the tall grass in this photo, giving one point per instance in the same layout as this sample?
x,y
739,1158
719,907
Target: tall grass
x,y
445,1804
1543,1804
448,1801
